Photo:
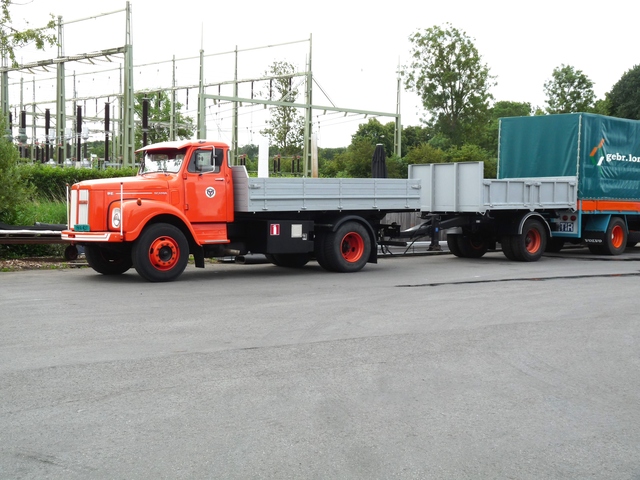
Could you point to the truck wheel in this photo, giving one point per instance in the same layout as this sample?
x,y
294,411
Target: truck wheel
x,y
530,244
319,251
452,243
107,262
472,245
615,239
161,253
507,249
289,260
348,248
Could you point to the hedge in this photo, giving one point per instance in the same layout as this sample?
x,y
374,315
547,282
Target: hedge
x,y
51,182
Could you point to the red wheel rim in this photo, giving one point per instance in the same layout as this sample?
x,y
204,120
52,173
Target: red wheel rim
x,y
352,247
164,253
533,240
617,236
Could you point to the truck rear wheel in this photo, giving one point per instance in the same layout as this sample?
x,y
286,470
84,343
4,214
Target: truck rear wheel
x,y
531,243
348,248
615,239
161,253
107,262
319,250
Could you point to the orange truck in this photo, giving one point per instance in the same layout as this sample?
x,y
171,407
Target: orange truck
x,y
187,199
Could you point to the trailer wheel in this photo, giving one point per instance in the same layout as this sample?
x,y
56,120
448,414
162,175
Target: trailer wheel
x,y
530,244
161,253
472,245
452,243
107,262
615,239
289,260
348,248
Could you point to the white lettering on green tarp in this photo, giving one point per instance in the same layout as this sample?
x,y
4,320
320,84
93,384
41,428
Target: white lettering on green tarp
x,y
617,157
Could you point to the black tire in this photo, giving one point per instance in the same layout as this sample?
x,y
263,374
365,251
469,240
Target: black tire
x,y
452,243
319,251
472,245
554,244
615,238
347,249
506,242
289,260
161,253
107,262
71,253
531,243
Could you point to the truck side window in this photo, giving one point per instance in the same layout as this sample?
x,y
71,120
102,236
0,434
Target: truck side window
x,y
202,162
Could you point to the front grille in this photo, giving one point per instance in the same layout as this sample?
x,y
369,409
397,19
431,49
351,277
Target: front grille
x,y
79,214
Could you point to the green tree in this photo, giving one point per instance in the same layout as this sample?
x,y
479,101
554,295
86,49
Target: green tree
x,y
500,110
425,153
448,74
624,98
160,119
14,187
414,136
286,126
569,91
12,39
375,132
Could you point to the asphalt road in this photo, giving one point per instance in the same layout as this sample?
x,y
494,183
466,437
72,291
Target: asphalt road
x,y
419,367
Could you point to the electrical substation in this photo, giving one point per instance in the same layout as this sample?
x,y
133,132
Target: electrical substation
x,y
55,106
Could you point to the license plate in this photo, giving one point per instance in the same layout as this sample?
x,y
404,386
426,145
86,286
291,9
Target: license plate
x,y
565,227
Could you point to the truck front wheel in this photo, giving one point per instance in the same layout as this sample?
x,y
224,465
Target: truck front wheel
x,y
107,262
531,243
161,253
347,249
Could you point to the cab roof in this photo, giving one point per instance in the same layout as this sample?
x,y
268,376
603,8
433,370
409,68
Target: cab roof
x,y
178,144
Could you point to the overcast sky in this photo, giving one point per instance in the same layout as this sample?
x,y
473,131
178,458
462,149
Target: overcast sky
x,y
356,49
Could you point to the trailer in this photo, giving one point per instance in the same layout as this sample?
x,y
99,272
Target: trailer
x,y
571,178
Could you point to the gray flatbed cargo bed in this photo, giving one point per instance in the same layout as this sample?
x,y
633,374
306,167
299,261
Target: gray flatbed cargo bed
x,y
461,187
321,194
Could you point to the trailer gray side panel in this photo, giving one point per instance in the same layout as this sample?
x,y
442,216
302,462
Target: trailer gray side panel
x,y
461,187
318,194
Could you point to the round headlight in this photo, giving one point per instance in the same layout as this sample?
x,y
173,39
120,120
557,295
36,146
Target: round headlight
x,y
116,218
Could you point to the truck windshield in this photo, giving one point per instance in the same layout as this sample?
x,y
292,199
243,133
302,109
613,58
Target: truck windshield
x,y
165,161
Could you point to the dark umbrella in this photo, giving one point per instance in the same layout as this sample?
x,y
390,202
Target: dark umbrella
x,y
379,163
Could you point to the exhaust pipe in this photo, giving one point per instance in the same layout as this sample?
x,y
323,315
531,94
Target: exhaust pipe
x,y
253,259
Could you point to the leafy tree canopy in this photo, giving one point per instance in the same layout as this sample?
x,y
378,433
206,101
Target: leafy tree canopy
x,y
286,126
569,91
624,98
448,74
12,38
500,110
375,132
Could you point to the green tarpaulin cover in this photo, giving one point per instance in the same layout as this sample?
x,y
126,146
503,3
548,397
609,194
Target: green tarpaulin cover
x,y
603,152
